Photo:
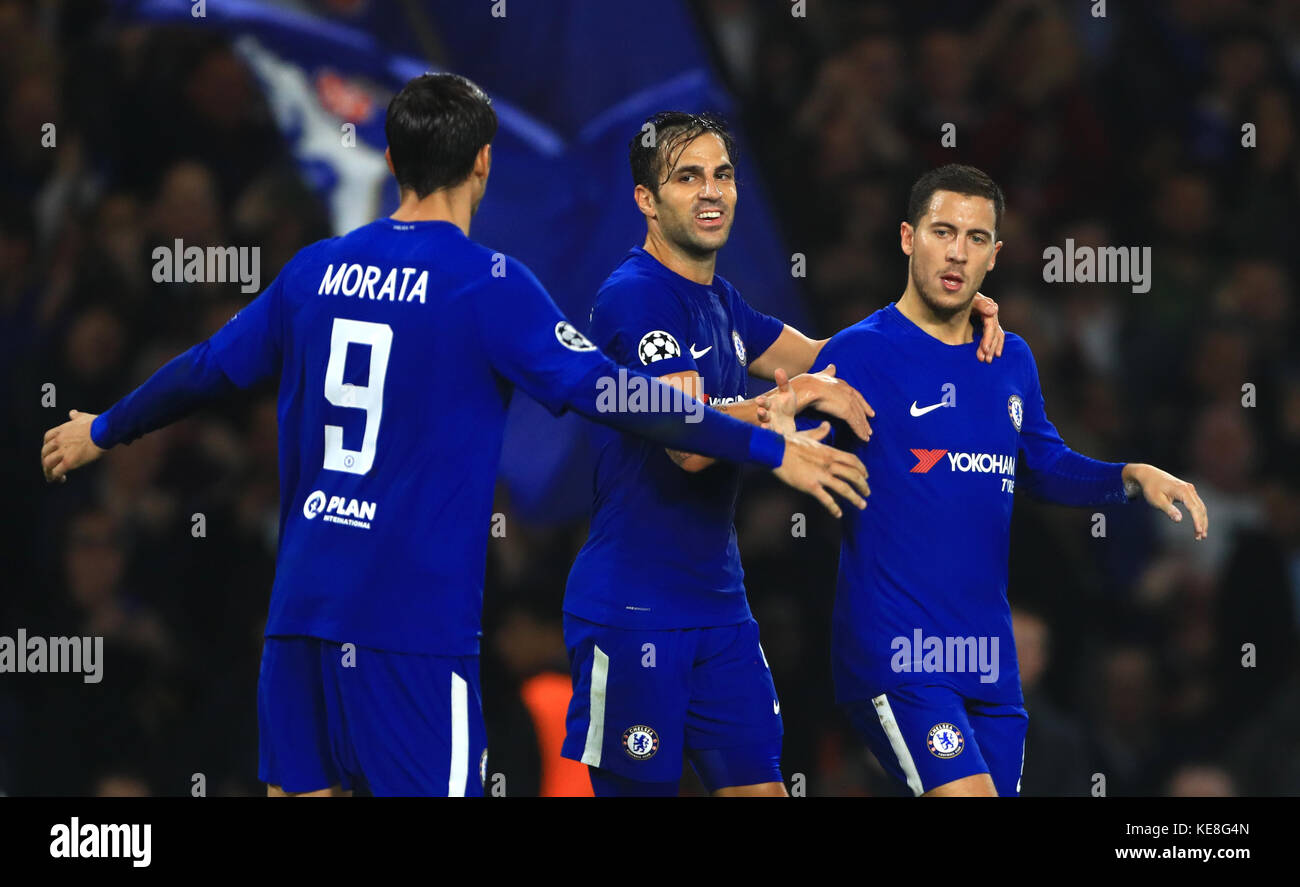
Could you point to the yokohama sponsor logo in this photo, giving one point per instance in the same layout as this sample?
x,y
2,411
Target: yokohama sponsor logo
x,y
984,463
926,459
980,463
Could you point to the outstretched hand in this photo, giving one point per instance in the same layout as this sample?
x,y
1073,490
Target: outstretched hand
x,y
1162,490
68,446
835,397
819,470
778,407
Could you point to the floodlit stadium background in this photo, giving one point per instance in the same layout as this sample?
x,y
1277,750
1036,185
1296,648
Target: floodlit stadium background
x,y
1123,130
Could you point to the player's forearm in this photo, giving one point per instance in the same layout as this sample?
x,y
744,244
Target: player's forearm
x,y
183,384
792,351
746,411
1073,479
681,423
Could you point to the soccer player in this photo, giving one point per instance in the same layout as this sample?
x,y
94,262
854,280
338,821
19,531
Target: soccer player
x,y
923,655
665,654
395,347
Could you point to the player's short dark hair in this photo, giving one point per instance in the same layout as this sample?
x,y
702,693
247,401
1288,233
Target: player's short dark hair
x,y
435,127
959,179
653,152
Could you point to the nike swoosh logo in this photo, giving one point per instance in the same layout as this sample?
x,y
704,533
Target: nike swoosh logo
x,y
698,354
923,410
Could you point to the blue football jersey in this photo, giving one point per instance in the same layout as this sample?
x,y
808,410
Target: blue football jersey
x,y
922,589
661,552
396,347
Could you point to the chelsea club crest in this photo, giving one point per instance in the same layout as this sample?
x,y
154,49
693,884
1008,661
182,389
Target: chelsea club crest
x,y
1016,410
945,741
739,345
640,742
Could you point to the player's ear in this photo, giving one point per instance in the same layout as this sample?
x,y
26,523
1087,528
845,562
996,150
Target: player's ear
x,y
645,201
993,259
388,156
905,234
483,162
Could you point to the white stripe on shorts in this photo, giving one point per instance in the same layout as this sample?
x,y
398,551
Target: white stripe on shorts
x,y
1021,777
596,716
890,726
459,737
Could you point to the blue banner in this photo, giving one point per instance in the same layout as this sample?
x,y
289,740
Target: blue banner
x,y
571,83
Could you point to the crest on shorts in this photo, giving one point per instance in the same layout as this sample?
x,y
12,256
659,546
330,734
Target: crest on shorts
x,y
640,742
945,741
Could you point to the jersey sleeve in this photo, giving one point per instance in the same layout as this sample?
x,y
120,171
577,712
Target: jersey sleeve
x,y
249,348
529,341
758,330
1052,471
243,353
647,325
183,384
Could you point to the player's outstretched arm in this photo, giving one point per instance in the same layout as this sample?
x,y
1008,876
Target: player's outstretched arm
x,y
243,353
777,408
1162,490
819,470
774,409
528,341
179,387
67,447
835,397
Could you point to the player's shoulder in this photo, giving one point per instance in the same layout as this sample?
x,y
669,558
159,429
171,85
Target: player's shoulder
x,y
1016,349
634,286
855,347
868,331
300,275
312,252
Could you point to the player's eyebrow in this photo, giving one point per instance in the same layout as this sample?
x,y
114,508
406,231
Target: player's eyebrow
x,y
950,226
699,170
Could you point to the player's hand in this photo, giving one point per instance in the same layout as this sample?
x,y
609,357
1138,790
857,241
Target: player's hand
x,y
819,470
835,397
1162,490
993,338
778,407
68,447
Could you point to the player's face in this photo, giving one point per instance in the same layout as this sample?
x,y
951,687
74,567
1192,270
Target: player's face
x,y
951,249
697,204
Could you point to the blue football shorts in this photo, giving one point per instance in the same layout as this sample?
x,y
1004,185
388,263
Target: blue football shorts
x,y
399,723
927,735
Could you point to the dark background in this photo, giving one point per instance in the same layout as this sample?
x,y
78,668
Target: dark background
x,y
1120,131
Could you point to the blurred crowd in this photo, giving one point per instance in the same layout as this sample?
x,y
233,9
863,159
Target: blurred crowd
x,y
1161,666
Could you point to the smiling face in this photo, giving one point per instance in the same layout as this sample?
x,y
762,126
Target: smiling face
x,y
951,247
696,202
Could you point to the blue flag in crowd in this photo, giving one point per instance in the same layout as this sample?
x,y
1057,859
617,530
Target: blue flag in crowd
x,y
560,199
